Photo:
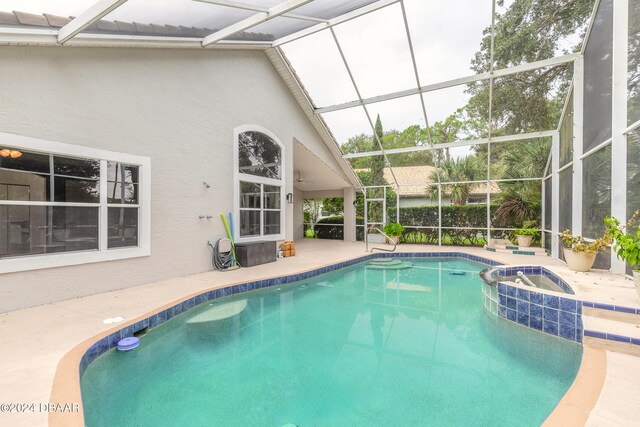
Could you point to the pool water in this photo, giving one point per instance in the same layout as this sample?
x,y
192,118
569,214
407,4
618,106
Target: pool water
x,y
356,347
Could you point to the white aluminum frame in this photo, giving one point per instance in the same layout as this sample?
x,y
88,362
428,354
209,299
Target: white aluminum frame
x,y
253,8
578,129
333,22
461,143
252,21
451,83
86,18
555,196
619,121
60,259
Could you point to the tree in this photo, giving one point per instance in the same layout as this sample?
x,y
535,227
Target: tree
x,y
527,31
447,131
459,171
412,136
358,144
312,210
377,163
333,206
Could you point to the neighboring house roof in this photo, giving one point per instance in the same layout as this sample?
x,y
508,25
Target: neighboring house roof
x,y
414,180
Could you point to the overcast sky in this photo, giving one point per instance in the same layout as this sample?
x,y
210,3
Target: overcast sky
x,y
445,36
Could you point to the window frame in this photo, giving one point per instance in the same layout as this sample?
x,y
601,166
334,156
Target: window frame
x,y
261,181
62,259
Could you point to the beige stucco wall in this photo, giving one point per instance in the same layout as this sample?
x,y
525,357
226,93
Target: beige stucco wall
x,y
178,107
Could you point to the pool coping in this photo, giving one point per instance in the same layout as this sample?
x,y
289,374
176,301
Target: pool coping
x,y
66,383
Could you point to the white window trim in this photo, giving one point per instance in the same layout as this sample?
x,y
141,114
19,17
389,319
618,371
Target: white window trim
x,y
237,177
36,262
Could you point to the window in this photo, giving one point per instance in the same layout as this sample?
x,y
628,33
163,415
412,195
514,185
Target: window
x,y
259,186
122,202
67,205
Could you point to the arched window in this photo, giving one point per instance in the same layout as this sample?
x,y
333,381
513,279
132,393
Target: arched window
x,y
260,181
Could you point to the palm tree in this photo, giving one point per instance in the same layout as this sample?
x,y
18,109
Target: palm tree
x,y
459,171
520,200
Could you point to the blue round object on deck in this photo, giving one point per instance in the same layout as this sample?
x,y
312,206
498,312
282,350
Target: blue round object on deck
x,y
128,344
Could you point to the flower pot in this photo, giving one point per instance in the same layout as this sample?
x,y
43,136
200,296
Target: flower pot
x,y
636,280
579,261
524,241
395,239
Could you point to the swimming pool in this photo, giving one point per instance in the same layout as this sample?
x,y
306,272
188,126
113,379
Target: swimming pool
x,y
359,346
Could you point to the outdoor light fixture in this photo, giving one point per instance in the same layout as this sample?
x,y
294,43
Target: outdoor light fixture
x,y
14,154
289,198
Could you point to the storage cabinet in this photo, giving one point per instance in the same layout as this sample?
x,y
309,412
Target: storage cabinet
x,y
255,253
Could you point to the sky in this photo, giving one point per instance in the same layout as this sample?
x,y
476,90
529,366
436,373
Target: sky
x,y
445,36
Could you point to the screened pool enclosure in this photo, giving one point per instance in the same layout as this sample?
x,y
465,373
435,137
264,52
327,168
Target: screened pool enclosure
x,y
460,120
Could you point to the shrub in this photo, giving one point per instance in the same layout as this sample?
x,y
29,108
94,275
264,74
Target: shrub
x,y
326,228
393,229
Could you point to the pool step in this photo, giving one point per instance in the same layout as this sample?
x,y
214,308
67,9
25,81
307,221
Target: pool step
x,y
384,261
396,265
619,316
515,250
613,330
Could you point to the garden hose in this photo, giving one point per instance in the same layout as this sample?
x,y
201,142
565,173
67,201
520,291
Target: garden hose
x,y
223,261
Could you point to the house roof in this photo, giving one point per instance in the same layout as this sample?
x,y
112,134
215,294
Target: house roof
x,y
414,180
104,26
281,64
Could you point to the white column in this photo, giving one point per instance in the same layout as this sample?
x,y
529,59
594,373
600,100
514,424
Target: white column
x,y
555,194
619,123
298,214
439,215
578,103
543,216
349,214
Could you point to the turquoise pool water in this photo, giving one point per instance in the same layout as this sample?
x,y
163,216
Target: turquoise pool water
x,y
355,347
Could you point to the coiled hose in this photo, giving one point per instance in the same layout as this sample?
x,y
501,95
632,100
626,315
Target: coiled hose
x,y
222,261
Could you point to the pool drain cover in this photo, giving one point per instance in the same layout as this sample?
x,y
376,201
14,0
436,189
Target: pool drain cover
x,y
110,320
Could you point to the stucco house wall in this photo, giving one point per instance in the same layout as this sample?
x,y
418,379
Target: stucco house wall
x,y
178,107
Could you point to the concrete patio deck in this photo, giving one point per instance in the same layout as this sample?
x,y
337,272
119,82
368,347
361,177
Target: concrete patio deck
x,y
36,339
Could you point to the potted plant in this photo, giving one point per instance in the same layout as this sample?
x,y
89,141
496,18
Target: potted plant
x,y
394,231
526,234
580,254
626,244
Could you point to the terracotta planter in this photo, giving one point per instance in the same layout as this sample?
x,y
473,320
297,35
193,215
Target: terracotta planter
x,y
524,241
579,261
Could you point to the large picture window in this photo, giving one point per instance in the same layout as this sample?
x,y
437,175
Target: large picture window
x,y
259,186
67,202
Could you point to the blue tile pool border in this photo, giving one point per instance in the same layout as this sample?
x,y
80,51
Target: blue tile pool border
x,y
110,341
551,313
554,313
618,308
536,271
